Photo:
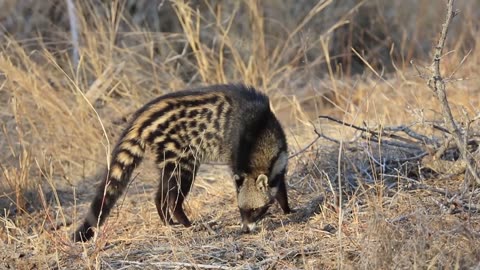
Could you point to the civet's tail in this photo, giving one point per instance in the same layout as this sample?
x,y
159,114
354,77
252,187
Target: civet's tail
x,y
127,154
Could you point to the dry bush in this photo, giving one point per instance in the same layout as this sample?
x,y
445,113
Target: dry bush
x,y
59,121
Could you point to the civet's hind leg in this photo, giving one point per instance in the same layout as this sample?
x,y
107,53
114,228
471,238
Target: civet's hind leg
x,y
176,182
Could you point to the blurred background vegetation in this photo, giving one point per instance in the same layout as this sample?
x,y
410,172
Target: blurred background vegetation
x,y
275,32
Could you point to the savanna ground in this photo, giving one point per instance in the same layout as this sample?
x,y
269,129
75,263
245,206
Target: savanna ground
x,y
361,202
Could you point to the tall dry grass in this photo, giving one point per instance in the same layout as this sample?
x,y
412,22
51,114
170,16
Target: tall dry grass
x,y
60,120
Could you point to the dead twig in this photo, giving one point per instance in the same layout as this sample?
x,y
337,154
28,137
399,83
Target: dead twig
x,y
320,135
420,73
72,16
378,134
417,144
413,134
437,84
443,148
393,143
290,254
173,265
308,145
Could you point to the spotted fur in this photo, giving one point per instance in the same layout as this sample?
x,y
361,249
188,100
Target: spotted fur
x,y
226,123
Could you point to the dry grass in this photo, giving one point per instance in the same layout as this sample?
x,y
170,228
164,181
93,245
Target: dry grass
x,y
59,121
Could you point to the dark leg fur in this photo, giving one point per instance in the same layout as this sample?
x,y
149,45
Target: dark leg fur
x,y
187,175
282,197
176,204
83,233
174,187
162,205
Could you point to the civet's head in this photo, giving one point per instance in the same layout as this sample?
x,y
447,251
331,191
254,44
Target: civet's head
x,y
256,192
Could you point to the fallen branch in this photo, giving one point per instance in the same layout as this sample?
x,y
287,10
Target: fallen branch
x,y
417,141
377,134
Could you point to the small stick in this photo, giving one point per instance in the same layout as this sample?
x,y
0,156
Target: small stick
x,y
374,133
393,143
306,147
72,16
411,133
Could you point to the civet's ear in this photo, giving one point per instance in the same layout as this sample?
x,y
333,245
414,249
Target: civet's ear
x,y
262,182
238,180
